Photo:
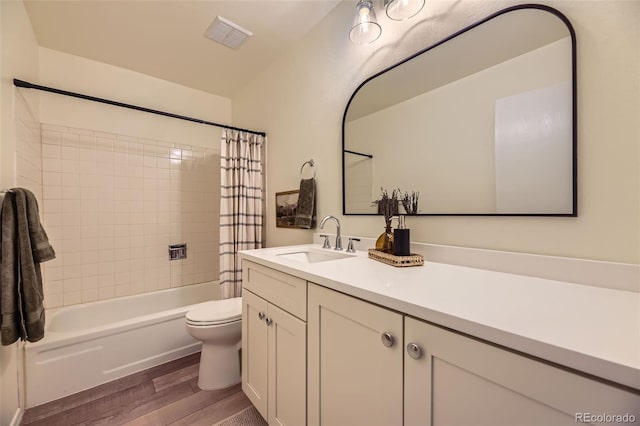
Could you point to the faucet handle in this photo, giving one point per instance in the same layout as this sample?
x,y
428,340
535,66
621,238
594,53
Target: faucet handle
x,y
350,248
326,244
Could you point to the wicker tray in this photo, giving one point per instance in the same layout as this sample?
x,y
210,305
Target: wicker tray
x,y
397,261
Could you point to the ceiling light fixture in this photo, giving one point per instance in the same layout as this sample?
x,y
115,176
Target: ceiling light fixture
x,y
399,10
365,28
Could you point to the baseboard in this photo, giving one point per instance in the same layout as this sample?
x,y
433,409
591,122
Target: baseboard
x,y
17,417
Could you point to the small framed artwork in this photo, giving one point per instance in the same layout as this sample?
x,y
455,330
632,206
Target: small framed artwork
x,y
286,206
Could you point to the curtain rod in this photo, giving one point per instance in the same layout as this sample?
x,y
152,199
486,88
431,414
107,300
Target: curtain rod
x,y
358,153
27,85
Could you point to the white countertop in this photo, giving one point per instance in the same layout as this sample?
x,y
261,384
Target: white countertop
x,y
591,329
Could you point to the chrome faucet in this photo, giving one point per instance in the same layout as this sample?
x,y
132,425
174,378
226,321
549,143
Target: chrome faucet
x,y
338,238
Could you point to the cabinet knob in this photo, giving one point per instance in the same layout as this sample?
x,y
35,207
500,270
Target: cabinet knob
x,y
387,339
269,321
414,351
261,315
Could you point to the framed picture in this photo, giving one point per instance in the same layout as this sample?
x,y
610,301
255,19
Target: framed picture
x,y
286,206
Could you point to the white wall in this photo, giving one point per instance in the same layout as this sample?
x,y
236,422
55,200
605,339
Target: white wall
x,y
300,100
76,74
18,59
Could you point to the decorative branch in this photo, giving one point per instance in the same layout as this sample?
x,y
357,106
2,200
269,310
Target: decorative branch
x,y
388,204
410,202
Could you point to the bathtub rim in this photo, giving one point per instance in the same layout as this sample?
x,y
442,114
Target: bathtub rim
x,y
56,339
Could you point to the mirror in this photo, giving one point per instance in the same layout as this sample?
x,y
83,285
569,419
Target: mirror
x,y
481,123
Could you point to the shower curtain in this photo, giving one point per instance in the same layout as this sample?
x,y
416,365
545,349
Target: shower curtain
x,y
240,204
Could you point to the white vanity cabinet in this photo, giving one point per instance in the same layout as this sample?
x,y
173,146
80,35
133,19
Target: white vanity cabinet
x,y
368,365
451,379
354,361
274,344
314,355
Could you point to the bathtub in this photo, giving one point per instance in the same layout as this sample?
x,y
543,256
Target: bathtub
x,y
94,343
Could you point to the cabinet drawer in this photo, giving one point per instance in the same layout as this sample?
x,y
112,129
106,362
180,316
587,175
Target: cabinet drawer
x,y
283,290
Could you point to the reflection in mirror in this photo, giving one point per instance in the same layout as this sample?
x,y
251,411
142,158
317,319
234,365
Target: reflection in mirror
x,y
482,123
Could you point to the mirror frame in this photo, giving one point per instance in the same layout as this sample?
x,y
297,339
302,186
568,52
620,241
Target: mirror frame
x,y
572,33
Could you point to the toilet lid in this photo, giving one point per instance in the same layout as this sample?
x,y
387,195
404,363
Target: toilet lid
x,y
216,311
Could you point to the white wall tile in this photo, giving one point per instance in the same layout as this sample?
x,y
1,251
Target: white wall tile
x,y
72,298
50,137
91,282
115,202
54,300
51,165
72,284
90,295
70,166
69,139
69,152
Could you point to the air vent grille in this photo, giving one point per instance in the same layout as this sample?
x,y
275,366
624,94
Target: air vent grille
x,y
227,33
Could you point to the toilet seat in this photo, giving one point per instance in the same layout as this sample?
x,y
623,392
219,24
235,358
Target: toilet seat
x,y
216,312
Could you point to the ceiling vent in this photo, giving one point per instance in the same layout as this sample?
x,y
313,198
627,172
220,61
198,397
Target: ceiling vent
x,y
227,33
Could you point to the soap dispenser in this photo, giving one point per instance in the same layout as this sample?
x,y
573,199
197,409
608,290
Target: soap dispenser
x,y
401,242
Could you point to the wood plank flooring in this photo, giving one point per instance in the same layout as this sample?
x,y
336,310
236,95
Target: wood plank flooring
x,y
164,395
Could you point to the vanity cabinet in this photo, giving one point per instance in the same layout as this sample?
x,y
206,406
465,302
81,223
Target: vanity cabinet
x,y
451,379
355,361
274,343
368,365
313,355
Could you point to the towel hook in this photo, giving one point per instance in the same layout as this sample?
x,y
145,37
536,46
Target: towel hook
x,y
312,164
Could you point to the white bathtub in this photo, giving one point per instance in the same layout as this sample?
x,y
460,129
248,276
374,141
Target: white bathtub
x,y
94,343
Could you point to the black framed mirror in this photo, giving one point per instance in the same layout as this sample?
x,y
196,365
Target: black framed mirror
x,y
480,123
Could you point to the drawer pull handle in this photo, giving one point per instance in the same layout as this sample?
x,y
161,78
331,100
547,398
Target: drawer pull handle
x,y
414,351
261,315
269,321
387,339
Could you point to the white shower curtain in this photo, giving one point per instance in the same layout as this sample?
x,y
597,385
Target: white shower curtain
x,y
240,204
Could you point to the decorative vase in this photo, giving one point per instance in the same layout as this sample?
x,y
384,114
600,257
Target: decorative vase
x,y
384,243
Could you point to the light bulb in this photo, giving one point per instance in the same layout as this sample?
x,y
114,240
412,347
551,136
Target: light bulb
x,y
365,28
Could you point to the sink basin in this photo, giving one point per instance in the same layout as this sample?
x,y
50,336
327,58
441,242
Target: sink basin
x,y
313,256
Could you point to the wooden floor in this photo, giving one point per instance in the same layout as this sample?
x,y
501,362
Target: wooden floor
x,y
164,395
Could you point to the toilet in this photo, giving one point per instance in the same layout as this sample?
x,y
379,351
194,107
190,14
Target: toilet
x,y
218,324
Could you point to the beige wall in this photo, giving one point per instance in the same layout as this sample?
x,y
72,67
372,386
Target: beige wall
x,y
76,74
300,100
18,59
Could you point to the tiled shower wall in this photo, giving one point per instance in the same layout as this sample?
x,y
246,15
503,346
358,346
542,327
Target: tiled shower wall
x,y
113,204
28,148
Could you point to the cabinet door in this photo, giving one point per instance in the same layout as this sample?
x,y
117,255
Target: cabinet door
x,y
287,369
354,379
254,350
458,380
